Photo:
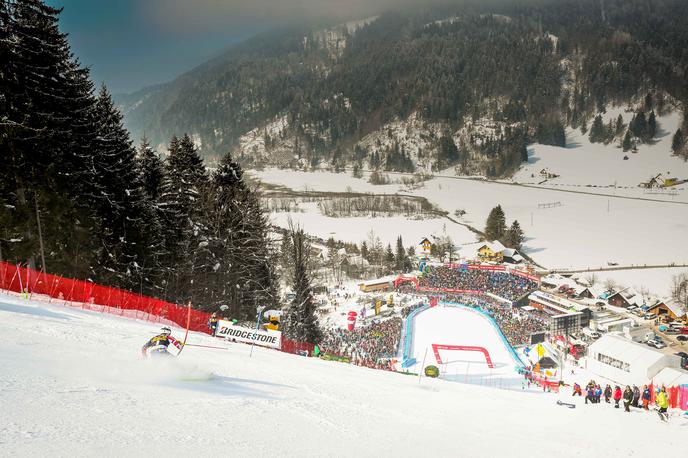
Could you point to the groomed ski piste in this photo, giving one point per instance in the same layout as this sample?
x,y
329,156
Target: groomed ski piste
x,y
469,344
72,384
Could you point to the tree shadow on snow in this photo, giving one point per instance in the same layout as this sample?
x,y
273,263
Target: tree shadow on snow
x,y
32,311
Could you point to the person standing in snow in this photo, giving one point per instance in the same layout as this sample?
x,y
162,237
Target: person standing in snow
x,y
646,397
663,404
607,393
590,393
598,394
636,396
628,398
617,396
577,390
212,323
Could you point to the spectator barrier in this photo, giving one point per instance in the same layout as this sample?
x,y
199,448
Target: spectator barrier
x,y
104,299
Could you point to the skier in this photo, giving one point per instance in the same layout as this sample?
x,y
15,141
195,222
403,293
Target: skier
x,y
617,396
636,396
663,404
157,346
607,393
628,398
646,397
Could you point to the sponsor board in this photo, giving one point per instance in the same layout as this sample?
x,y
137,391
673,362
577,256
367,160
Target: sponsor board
x,y
226,329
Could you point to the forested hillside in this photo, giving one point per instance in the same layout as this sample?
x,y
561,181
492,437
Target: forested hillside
x,y
467,87
78,199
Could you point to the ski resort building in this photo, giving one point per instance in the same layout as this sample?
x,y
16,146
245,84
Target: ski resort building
x,y
379,284
670,308
624,361
491,251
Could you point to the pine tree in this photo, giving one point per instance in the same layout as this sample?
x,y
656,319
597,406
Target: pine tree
x,y
626,144
495,227
597,130
638,126
620,126
514,236
365,254
185,176
151,170
389,258
651,126
447,153
400,257
300,323
677,141
118,199
46,132
235,248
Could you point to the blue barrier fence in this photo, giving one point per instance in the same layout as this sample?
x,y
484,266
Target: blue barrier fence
x,y
408,337
407,361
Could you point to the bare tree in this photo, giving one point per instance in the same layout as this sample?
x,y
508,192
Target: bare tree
x,y
610,284
592,279
679,288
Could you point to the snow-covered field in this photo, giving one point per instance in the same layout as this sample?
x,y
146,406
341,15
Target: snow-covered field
x,y
387,229
72,384
582,231
657,281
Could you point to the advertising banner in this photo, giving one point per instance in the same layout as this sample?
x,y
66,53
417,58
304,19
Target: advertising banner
x,y
270,339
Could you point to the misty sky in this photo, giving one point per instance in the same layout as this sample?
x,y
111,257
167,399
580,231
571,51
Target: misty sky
x,y
129,44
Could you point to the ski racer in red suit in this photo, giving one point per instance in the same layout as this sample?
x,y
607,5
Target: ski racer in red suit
x,y
157,346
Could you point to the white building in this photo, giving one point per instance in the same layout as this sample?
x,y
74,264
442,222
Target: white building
x,y
626,362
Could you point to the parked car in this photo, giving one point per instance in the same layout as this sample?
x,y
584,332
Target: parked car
x,y
632,308
600,303
684,330
682,354
656,343
682,338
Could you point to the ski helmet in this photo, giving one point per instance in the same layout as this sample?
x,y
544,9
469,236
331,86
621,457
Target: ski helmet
x,y
165,330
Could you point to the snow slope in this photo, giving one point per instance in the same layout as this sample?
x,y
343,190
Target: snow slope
x,y
594,165
72,384
452,325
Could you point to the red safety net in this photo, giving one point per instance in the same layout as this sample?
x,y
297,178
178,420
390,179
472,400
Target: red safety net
x,y
292,346
91,296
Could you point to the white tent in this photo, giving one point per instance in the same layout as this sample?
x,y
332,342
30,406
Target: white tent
x,y
671,377
624,361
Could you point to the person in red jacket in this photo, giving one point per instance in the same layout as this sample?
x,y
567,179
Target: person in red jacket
x,y
617,396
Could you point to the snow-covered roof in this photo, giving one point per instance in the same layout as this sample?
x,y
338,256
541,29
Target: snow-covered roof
x,y
626,350
670,376
495,246
378,281
513,254
676,308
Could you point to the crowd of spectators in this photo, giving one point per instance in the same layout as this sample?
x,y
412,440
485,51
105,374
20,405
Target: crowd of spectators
x,y
367,345
502,284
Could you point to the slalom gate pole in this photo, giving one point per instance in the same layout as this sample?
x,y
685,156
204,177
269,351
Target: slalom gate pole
x,y
260,311
420,372
188,322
